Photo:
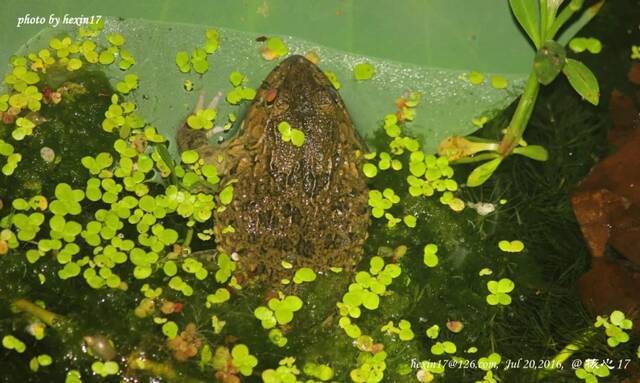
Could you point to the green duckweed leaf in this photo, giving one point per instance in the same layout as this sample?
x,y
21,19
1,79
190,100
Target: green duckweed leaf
x,y
363,71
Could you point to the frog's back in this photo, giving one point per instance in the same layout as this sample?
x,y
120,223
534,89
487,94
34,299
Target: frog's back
x,y
306,205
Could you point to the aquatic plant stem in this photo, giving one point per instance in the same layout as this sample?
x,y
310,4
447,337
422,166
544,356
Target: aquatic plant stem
x,y
46,316
521,116
138,362
188,238
574,346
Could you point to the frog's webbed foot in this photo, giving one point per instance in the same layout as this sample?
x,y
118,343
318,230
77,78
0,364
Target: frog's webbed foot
x,y
197,139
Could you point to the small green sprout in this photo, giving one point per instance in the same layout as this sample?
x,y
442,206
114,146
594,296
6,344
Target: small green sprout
x,y
440,348
511,246
243,360
304,274
635,52
433,331
592,370
105,369
430,257
67,201
581,44
363,71
290,134
202,119
615,326
10,342
500,292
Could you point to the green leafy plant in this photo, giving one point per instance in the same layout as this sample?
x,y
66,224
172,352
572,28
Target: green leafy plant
x,y
544,22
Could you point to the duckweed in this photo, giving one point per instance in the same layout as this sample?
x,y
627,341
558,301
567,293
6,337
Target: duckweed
x,y
511,246
105,369
430,257
433,331
290,134
440,348
274,48
499,292
592,371
10,342
364,71
581,44
475,78
304,274
499,82
615,326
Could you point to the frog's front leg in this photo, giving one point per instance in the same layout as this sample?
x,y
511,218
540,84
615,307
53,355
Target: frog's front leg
x,y
198,139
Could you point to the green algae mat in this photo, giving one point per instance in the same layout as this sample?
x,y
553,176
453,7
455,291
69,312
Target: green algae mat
x,y
107,258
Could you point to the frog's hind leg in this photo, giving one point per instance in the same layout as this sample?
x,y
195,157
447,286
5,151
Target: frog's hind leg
x,y
198,139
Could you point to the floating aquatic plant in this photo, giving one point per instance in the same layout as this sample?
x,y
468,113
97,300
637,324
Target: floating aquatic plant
x,y
274,48
291,134
499,292
363,71
615,325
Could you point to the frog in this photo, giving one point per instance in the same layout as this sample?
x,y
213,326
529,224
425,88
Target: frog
x,y
293,206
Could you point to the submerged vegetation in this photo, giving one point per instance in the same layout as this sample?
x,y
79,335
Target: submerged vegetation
x,y
109,271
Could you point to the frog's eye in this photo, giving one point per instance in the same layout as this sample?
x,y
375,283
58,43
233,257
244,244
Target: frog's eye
x,y
271,95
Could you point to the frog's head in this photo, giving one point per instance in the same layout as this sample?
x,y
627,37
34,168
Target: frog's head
x,y
298,92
